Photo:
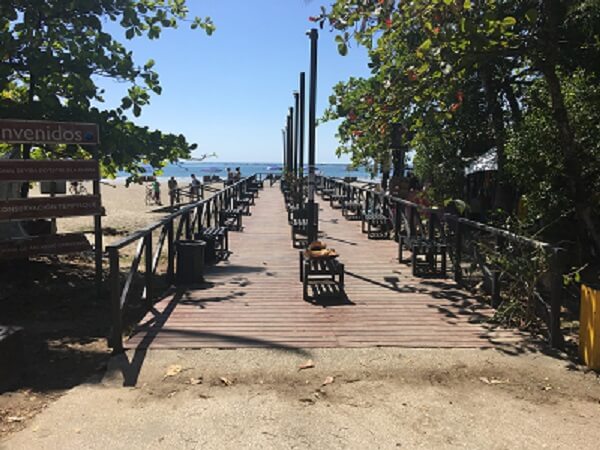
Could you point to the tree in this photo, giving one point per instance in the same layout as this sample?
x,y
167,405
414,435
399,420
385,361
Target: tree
x,y
506,45
52,53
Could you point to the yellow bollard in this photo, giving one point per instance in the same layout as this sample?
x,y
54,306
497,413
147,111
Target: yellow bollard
x,y
589,327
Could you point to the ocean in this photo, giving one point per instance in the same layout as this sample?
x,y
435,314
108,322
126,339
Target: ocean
x,y
185,169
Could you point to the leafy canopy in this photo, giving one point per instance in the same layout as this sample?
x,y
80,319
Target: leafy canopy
x,y
53,51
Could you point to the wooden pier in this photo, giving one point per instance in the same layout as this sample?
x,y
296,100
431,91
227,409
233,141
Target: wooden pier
x,y
255,298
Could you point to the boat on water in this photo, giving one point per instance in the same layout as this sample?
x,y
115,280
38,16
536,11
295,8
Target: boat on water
x,y
274,168
211,169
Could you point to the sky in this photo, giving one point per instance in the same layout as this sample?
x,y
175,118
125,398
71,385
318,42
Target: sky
x,y
230,92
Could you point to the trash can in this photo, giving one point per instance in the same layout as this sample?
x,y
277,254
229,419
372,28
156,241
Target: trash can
x,y
210,249
190,261
589,327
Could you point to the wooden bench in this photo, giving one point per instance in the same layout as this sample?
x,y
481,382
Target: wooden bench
x,y
327,193
336,200
352,210
217,239
231,219
299,224
243,204
418,243
247,196
377,225
320,271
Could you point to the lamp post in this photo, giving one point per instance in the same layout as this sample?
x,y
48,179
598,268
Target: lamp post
x,y
301,112
313,226
296,133
289,134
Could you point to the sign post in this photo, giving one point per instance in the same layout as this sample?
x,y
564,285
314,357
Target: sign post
x,y
45,132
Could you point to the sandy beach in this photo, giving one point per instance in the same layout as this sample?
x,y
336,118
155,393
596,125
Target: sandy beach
x,y
126,209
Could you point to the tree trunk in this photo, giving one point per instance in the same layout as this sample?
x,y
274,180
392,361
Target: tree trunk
x,y
513,103
398,162
503,198
570,151
553,15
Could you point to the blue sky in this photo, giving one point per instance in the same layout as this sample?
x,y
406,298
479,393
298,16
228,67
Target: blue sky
x,y
230,92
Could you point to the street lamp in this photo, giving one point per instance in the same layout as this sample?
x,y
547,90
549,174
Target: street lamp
x,y
313,226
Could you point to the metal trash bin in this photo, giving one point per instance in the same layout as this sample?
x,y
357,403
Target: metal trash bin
x,y
210,250
190,261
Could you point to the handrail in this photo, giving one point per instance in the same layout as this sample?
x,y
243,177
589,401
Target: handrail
x,y
125,241
192,216
553,313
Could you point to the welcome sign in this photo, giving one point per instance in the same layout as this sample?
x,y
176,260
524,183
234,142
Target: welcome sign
x,y
44,132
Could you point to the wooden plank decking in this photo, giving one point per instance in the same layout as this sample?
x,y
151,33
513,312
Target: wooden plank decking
x,y
255,298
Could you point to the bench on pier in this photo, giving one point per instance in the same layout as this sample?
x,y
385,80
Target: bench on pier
x,y
217,242
419,244
243,204
247,196
327,193
299,224
336,200
377,225
231,219
352,210
319,272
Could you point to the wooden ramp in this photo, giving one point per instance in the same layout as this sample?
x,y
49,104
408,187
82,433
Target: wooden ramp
x,y
255,298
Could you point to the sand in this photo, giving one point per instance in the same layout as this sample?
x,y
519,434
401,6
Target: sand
x,y
126,210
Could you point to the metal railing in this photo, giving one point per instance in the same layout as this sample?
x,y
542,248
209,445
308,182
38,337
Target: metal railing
x,y
465,239
184,224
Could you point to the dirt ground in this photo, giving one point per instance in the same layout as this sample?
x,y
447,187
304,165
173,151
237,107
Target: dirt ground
x,y
351,398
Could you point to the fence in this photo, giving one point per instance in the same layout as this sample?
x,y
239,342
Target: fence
x,y
183,223
467,241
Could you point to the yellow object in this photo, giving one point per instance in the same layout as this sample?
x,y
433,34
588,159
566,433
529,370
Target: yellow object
x,y
589,327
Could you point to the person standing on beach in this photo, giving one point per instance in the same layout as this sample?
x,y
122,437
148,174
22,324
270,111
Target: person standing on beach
x,y
173,191
229,177
238,174
156,192
195,188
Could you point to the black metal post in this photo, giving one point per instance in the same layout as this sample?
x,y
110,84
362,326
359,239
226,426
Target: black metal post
x,y
290,134
301,112
284,148
296,133
313,226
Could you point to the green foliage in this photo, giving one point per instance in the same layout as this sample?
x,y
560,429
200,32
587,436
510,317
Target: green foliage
x,y
535,160
53,51
466,76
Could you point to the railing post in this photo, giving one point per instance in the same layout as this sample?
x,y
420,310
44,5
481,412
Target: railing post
x,y
149,272
556,337
458,251
116,334
171,253
188,228
199,210
496,300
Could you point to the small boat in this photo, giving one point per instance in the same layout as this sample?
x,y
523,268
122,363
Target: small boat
x,y
275,168
211,169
